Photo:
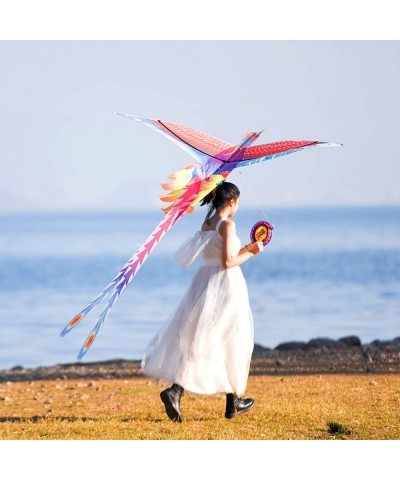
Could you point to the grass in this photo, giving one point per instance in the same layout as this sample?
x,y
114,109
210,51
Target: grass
x,y
302,407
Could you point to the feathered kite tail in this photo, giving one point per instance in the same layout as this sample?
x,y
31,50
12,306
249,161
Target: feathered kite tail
x,y
122,279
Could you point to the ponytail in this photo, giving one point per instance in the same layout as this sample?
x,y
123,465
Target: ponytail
x,y
223,193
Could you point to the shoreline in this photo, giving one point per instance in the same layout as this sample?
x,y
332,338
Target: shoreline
x,y
321,355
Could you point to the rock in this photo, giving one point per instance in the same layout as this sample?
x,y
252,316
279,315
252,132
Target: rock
x,y
380,343
323,342
291,346
17,367
351,341
259,350
286,358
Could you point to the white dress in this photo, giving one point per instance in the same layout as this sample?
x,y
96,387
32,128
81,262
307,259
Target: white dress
x,y
207,343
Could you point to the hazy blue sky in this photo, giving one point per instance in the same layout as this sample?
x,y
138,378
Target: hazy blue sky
x,y
62,147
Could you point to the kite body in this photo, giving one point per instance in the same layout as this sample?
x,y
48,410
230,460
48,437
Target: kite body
x,y
215,160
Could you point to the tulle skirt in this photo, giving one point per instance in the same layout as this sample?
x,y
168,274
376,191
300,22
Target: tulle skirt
x,y
207,343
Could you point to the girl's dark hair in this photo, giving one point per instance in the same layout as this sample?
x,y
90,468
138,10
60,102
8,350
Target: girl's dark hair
x,y
224,192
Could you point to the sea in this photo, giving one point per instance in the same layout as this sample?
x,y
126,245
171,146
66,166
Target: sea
x,y
327,272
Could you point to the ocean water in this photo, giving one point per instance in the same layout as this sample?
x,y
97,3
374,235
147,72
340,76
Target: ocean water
x,y
327,272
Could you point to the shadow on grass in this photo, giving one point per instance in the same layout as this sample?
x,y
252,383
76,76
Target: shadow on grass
x,y
38,418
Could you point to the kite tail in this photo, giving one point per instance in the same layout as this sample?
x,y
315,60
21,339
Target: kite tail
x,y
103,295
89,307
104,314
123,278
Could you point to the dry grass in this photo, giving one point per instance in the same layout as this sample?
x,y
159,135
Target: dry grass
x,y
291,407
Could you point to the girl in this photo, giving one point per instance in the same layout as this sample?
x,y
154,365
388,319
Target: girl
x,y
207,344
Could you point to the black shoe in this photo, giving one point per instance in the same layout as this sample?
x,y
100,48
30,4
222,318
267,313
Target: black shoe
x,y
171,398
236,405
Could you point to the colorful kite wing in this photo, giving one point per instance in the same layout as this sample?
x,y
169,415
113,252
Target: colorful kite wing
x,y
196,143
268,151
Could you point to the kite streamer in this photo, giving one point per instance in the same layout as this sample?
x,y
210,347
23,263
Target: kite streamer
x,y
215,160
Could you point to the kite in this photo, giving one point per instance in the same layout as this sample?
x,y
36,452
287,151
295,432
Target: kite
x,y
215,160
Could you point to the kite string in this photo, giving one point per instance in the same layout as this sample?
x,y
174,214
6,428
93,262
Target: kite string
x,y
254,196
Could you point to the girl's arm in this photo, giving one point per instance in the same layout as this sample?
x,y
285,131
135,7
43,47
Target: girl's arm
x,y
227,230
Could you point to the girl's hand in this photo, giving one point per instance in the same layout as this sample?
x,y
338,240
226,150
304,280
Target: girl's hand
x,y
255,247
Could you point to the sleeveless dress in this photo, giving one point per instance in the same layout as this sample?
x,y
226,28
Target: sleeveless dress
x,y
207,343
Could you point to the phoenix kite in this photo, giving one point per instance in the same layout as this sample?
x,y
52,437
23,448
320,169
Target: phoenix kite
x,y
214,160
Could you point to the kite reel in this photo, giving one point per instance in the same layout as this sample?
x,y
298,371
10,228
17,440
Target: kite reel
x,y
261,232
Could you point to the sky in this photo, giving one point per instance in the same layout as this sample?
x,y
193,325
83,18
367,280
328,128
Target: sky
x,y
63,148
